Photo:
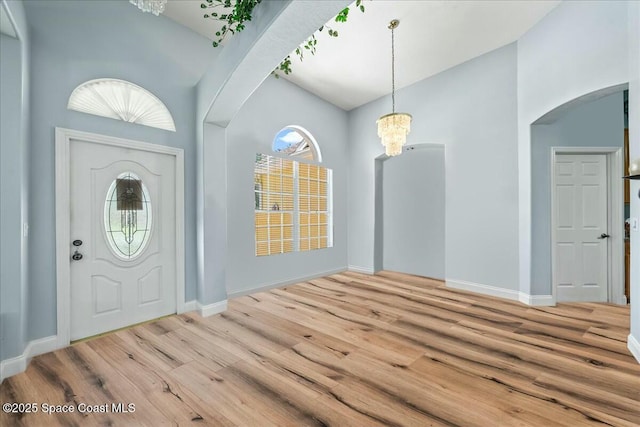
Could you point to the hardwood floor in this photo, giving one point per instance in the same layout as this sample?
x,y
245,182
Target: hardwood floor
x,y
349,350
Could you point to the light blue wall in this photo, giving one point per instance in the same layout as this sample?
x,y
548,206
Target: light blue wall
x,y
73,42
579,48
413,237
243,65
471,109
274,105
598,123
14,182
11,327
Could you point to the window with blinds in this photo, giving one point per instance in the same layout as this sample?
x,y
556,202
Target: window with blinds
x,y
313,207
274,194
292,206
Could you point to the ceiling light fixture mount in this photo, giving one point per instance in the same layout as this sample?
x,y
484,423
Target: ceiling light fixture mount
x,y
154,6
393,128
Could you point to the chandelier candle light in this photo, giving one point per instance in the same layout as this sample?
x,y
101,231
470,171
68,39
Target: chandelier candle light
x,y
154,6
393,128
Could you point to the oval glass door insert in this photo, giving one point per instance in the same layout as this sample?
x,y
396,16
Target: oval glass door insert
x,y
127,216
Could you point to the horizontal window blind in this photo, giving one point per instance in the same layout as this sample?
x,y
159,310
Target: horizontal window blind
x,y
274,195
292,206
313,207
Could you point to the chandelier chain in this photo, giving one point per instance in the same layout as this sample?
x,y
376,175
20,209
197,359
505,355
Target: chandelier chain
x,y
393,72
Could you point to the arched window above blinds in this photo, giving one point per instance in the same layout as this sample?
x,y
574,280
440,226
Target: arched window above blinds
x,y
293,196
121,100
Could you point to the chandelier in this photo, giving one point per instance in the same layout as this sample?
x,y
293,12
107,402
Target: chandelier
x,y
154,6
393,128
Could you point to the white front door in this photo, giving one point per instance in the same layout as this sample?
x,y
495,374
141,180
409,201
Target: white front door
x,y
580,227
123,224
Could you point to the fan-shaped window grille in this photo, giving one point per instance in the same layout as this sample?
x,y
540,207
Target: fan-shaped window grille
x,y
121,100
127,216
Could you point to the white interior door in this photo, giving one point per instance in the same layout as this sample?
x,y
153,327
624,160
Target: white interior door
x,y
580,227
123,212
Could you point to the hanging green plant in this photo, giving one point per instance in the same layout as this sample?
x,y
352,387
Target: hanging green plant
x,y
233,20
309,45
234,17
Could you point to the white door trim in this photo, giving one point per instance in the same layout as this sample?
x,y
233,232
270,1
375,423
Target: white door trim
x,y
615,224
63,221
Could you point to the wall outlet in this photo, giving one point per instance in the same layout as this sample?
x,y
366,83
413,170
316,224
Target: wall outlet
x,y
633,222
25,229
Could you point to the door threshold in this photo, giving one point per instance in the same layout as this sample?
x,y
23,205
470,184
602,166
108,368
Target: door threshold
x,y
124,328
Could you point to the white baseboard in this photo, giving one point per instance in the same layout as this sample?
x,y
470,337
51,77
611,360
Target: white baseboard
x,y
510,294
483,289
211,309
634,347
357,269
620,300
19,364
537,300
284,283
190,306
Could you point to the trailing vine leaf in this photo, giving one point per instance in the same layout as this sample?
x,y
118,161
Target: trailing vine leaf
x,y
232,15
309,45
235,15
343,15
285,67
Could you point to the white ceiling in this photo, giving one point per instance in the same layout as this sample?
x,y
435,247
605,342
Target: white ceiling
x,y
355,67
190,14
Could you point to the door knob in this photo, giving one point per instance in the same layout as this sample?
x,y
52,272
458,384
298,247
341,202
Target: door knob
x,y
77,256
603,236
77,242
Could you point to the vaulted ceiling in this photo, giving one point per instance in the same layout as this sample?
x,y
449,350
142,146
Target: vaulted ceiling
x,y
355,68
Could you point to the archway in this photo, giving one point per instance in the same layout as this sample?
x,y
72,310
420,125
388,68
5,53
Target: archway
x,y
590,124
409,231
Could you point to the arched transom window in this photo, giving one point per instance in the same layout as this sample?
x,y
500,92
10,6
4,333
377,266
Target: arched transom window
x,y
296,142
121,100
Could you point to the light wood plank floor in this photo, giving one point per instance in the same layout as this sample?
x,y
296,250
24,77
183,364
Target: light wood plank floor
x,y
350,350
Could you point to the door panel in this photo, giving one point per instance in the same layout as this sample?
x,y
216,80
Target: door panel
x,y
580,220
149,286
107,295
111,288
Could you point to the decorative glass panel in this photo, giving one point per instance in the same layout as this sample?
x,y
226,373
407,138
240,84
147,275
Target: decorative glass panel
x,y
127,216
